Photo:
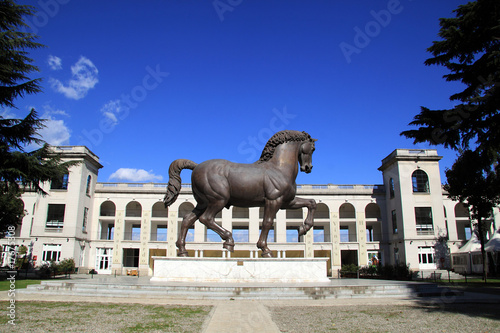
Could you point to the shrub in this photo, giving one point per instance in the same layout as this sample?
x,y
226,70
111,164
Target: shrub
x,y
66,266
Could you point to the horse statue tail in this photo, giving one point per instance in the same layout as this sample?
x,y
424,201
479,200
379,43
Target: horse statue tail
x,y
174,181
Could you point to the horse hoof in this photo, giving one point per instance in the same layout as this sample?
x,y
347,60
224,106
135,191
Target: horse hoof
x,y
228,247
268,254
183,254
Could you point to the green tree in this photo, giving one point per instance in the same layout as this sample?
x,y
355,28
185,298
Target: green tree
x,y
470,50
20,169
474,181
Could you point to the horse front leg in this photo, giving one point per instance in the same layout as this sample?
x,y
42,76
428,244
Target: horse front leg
x,y
311,208
270,210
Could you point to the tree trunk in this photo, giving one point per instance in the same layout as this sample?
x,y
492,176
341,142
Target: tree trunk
x,y
481,233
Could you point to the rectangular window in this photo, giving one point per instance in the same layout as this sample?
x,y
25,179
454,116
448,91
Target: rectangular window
x,y
319,234
369,234
51,252
344,234
131,257
240,234
55,216
104,258
110,232
85,216
394,222
425,255
161,233
136,232
423,220
292,234
60,183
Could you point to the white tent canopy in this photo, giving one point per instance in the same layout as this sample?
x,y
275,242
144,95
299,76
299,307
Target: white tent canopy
x,y
493,244
472,245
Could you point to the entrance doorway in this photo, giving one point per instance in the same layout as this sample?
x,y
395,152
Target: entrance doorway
x,y
426,257
104,258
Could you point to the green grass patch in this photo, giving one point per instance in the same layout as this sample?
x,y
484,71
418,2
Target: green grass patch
x,y
105,317
20,284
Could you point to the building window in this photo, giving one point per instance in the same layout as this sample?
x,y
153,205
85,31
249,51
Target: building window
x,y
292,234
423,220
420,182
136,232
391,187
161,233
55,216
131,257
104,258
60,183
89,181
425,255
51,252
344,234
319,234
110,232
240,233
394,222
85,216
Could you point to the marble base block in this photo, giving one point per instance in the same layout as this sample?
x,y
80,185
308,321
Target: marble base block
x,y
288,270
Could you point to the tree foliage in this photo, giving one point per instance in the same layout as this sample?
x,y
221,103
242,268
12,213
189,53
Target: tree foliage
x,y
15,65
20,169
470,50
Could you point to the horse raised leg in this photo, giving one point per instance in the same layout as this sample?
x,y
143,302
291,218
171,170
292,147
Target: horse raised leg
x,y
187,222
270,209
208,219
311,208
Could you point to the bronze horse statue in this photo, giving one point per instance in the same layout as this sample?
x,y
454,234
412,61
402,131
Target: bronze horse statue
x,y
268,183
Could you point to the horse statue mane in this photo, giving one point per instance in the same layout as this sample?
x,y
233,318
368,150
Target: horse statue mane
x,y
280,138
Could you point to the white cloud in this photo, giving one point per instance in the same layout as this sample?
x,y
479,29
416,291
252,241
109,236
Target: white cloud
x,y
7,114
54,62
111,110
134,175
83,78
55,132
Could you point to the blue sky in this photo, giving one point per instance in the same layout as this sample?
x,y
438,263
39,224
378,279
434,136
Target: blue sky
x,y
144,83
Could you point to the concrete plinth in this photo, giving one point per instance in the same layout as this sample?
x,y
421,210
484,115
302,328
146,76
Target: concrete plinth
x,y
287,270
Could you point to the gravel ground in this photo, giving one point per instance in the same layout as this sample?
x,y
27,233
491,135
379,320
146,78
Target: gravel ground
x,y
103,317
389,318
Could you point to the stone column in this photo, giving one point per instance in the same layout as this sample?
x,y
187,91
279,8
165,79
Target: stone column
x,y
253,225
280,226
172,233
117,246
361,226
144,249
309,239
335,235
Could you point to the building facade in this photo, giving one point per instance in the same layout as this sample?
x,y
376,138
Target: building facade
x,y
115,227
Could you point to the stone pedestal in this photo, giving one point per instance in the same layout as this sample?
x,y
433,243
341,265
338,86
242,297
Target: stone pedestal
x,y
265,270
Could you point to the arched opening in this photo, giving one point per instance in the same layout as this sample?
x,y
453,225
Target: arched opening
x,y
420,181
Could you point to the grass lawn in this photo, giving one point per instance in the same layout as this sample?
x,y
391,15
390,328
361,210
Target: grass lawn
x,y
20,284
103,317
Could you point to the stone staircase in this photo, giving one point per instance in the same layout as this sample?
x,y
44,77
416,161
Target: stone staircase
x,y
357,289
